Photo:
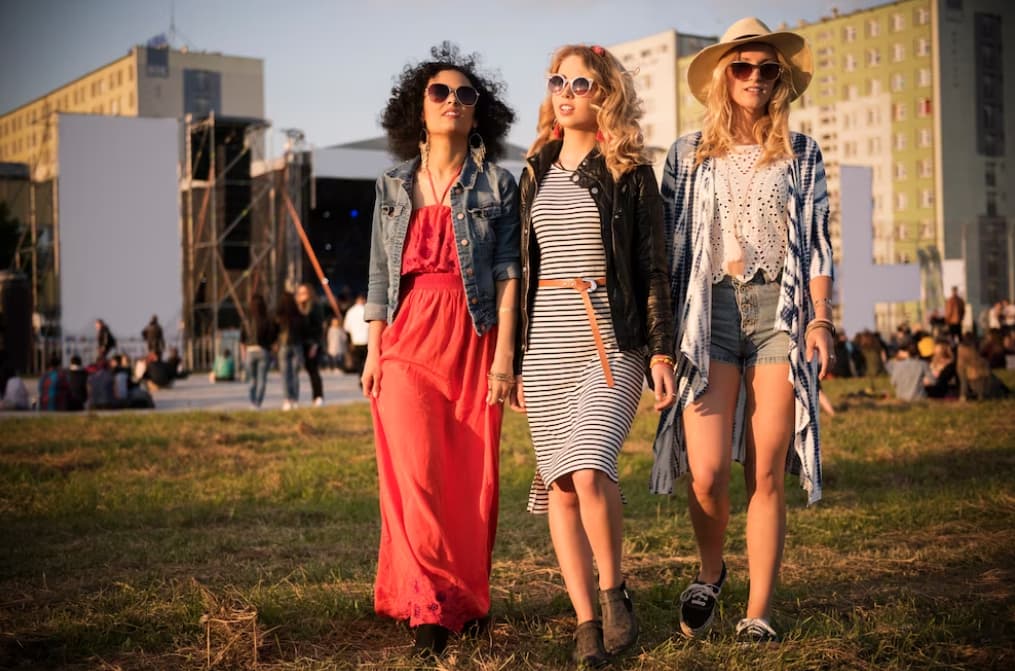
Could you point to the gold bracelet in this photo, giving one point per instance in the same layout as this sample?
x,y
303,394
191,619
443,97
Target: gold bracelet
x,y
661,358
500,377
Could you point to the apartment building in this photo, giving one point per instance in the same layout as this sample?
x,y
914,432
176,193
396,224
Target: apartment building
x,y
147,82
917,90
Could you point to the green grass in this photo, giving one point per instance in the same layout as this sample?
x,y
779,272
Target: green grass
x,y
120,535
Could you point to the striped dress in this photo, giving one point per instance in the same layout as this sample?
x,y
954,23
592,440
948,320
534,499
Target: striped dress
x,y
577,421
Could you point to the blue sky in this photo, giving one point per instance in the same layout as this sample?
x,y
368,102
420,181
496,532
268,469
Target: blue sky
x,y
329,64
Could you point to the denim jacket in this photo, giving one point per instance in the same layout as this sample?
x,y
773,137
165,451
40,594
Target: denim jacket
x,y
484,213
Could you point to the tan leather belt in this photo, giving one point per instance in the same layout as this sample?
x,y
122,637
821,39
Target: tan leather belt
x,y
583,285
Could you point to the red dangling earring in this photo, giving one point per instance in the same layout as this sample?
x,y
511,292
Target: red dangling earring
x,y
600,137
556,132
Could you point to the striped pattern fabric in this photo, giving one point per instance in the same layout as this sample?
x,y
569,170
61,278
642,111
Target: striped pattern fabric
x,y
576,421
689,196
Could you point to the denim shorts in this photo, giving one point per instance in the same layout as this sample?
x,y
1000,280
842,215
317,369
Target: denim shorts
x,y
744,333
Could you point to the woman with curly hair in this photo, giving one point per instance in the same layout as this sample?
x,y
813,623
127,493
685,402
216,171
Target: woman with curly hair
x,y
595,316
747,210
441,305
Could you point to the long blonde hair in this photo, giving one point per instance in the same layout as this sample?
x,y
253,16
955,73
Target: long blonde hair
x,y
771,131
617,106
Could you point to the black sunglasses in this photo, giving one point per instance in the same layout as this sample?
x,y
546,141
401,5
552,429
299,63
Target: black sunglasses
x,y
742,70
580,86
466,95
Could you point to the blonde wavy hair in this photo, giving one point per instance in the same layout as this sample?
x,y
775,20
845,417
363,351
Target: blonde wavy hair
x,y
617,106
771,131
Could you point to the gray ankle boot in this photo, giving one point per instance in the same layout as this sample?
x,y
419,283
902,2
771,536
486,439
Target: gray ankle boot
x,y
588,646
620,626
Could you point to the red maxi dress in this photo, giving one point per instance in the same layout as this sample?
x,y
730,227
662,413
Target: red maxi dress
x,y
437,440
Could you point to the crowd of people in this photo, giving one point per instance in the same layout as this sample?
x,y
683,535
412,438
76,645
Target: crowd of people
x,y
939,360
110,380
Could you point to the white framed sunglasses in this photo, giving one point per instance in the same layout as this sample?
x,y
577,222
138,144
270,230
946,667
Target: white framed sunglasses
x,y
580,86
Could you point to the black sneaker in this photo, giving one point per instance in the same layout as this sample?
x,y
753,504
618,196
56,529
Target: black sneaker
x,y
697,605
431,640
751,630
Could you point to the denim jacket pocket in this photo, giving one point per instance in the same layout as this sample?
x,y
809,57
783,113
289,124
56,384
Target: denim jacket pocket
x,y
482,219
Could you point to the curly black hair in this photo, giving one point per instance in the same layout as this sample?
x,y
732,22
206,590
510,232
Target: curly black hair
x,y
403,116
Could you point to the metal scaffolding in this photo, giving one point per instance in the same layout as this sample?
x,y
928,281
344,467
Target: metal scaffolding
x,y
216,293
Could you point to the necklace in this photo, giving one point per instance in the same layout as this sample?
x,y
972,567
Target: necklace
x,y
429,177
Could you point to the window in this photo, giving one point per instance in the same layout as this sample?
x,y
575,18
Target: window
x,y
849,92
923,47
849,34
114,107
873,28
923,76
874,86
849,149
873,57
991,204
898,22
898,112
900,170
926,167
924,107
873,116
989,175
900,232
927,229
849,62
927,198
898,81
901,202
898,52
921,16
926,138
900,141
873,145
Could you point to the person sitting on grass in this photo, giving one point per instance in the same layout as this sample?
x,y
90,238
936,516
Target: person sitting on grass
x,y
224,368
909,373
54,386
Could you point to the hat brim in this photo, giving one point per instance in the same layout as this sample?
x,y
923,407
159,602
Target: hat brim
x,y
792,46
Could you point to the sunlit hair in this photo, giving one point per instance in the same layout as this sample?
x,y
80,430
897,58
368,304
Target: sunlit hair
x,y
771,131
617,109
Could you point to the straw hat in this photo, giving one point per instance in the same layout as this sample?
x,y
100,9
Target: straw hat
x,y
792,46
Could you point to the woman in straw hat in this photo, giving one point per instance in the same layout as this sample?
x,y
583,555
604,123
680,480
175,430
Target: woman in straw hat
x,y
747,210
595,318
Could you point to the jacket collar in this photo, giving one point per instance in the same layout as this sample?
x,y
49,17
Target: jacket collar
x,y
593,166
406,171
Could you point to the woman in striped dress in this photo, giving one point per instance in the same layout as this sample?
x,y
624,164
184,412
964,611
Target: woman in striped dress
x,y
595,315
747,209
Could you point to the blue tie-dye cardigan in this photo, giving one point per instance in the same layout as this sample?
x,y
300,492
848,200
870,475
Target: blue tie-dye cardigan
x,y
689,195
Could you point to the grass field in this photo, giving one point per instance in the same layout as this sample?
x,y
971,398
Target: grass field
x,y
175,541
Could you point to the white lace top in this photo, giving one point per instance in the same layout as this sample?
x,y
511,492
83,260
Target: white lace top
x,y
749,230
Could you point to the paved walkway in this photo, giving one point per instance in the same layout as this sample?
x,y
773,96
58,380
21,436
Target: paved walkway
x,y
197,393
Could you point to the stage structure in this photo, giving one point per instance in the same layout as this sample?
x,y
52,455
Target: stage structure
x,y
231,249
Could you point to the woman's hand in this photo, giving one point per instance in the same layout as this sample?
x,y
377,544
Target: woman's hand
x,y
820,340
500,382
665,388
518,396
370,380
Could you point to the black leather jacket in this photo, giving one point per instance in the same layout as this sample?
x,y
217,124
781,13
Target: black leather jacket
x,y
637,277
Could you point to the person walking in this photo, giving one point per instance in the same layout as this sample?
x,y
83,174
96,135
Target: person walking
x,y
595,317
257,340
747,213
441,306
153,337
312,332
